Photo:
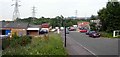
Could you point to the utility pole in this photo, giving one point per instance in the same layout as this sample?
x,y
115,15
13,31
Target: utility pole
x,y
33,12
16,13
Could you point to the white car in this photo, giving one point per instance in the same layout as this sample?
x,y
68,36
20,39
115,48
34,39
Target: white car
x,y
53,30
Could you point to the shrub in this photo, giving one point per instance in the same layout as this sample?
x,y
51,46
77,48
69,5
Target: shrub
x,y
104,34
117,37
5,43
16,41
25,40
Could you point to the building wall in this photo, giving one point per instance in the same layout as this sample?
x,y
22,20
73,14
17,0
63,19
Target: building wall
x,y
33,32
19,32
5,31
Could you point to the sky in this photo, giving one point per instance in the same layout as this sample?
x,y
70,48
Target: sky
x,y
52,8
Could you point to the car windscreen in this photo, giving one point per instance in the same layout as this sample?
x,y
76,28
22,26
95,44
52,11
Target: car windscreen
x,y
82,29
92,31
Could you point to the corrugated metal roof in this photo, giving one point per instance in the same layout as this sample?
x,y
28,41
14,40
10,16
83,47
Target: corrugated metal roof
x,y
33,29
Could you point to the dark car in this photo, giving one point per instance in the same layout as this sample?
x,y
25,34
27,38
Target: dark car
x,y
43,31
94,34
88,32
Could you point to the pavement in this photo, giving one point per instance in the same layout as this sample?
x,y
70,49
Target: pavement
x,y
80,44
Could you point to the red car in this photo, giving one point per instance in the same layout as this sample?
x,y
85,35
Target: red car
x,y
82,30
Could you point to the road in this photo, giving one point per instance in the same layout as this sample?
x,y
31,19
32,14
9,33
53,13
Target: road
x,y
97,46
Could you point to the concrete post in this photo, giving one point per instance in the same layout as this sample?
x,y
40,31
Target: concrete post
x,y
58,31
114,34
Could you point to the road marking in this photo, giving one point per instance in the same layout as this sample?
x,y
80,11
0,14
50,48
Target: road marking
x,y
84,47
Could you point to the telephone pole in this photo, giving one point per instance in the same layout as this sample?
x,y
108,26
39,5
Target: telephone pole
x,y
16,13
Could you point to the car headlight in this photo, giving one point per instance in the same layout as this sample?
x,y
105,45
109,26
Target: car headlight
x,y
94,34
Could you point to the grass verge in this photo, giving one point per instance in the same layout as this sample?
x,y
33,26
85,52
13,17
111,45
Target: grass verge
x,y
108,35
40,46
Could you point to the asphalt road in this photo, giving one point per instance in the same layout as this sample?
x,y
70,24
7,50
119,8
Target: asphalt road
x,y
97,46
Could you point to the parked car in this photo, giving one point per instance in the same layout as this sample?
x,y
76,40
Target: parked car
x,y
88,32
43,31
94,34
72,29
82,30
53,30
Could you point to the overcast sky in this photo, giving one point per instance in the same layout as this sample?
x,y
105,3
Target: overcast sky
x,y
52,8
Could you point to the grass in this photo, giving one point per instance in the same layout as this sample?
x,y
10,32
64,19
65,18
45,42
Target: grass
x,y
108,35
40,46
105,34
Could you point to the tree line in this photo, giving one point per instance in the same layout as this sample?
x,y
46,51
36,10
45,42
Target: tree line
x,y
58,21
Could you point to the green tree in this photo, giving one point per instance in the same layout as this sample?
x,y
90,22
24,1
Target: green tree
x,y
93,17
110,17
93,26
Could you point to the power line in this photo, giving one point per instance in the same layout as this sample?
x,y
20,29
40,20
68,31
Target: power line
x,y
16,13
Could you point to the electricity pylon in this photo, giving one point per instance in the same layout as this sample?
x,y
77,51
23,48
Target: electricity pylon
x,y
16,13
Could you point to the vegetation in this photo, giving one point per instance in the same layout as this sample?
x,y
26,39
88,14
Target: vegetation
x,y
93,26
39,46
58,21
105,34
110,17
15,41
93,17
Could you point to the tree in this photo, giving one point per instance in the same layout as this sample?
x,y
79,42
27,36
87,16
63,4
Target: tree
x,y
110,17
93,17
93,26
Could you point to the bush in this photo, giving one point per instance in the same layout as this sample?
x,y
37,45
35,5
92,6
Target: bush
x,y
25,40
104,34
16,41
117,37
5,43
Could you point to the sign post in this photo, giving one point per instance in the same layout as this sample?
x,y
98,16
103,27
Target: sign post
x,y
65,33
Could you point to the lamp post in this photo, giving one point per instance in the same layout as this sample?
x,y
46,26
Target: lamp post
x,y
65,32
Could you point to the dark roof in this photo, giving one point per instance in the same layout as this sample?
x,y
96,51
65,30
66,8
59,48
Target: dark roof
x,y
34,26
11,24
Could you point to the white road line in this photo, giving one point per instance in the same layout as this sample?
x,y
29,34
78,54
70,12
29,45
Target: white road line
x,y
84,47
